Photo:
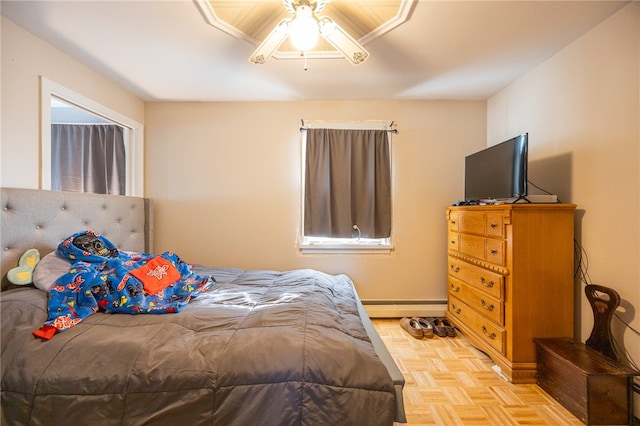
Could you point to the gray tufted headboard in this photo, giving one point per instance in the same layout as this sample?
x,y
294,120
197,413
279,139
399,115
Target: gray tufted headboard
x,y
33,218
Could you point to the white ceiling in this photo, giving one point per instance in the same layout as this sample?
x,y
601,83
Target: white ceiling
x,y
166,51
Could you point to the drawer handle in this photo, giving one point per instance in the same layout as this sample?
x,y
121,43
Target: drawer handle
x,y
456,310
493,251
489,308
453,222
493,226
484,282
491,336
455,268
454,288
453,241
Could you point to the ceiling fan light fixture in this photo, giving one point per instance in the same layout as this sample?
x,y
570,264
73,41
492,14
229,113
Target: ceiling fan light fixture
x,y
303,29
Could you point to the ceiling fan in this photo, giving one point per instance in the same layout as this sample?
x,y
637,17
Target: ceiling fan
x,y
304,29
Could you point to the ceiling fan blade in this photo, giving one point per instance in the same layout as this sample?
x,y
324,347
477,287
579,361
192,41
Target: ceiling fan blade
x,y
342,41
270,44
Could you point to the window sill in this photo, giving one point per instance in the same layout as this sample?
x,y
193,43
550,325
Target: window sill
x,y
346,248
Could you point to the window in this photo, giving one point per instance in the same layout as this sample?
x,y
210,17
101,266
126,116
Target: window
x,y
87,153
347,188
130,131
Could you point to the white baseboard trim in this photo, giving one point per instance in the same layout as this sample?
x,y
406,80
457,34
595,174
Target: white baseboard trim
x,y
402,308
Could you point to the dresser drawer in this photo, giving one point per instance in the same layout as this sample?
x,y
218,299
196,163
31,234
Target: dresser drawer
x,y
473,222
453,241
495,224
472,245
479,247
481,222
485,305
453,221
489,282
495,251
491,333
488,249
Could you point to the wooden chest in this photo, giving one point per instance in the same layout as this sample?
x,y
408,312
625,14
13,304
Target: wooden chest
x,y
591,386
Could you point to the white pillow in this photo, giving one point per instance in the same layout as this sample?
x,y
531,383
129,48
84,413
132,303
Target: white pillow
x,y
48,270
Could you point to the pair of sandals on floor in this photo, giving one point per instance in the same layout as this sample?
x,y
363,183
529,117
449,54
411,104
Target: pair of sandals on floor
x,y
426,327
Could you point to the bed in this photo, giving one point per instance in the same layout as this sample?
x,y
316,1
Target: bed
x,y
259,347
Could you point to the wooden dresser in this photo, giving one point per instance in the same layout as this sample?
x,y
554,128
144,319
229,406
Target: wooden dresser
x,y
511,279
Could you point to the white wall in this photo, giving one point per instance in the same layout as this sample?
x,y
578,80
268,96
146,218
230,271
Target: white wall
x,y
24,59
225,196
581,109
225,178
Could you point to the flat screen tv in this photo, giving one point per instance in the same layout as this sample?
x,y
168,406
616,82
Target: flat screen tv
x,y
498,172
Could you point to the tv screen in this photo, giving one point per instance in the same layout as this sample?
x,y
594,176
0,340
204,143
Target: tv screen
x,y
498,172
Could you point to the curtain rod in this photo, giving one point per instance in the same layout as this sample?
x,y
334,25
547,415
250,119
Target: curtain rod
x,y
304,127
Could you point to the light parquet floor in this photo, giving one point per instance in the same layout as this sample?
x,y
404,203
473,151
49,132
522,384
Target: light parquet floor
x,y
448,382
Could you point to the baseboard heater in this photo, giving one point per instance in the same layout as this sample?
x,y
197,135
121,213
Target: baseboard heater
x,y
404,308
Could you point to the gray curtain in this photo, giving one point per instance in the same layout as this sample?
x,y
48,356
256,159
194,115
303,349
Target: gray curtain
x,y
347,183
88,158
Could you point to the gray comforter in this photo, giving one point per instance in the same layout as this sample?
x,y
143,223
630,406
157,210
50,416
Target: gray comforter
x,y
261,347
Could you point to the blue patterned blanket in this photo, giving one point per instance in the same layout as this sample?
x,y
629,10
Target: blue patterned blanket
x,y
101,277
